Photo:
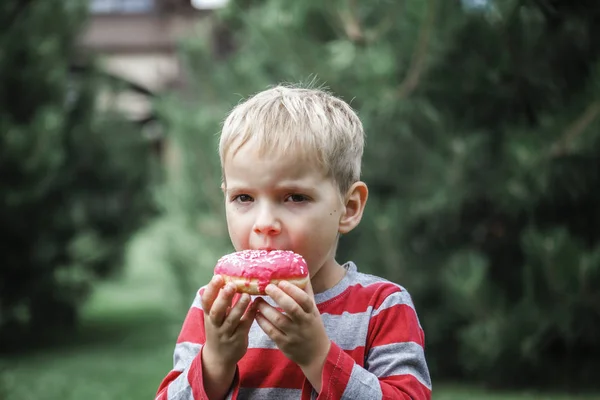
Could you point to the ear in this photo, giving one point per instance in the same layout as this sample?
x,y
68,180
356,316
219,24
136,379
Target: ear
x,y
354,206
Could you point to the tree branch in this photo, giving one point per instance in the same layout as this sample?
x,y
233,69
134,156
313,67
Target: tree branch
x,y
20,9
576,128
351,22
419,57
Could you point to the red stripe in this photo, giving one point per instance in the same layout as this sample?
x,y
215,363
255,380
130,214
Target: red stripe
x,y
269,368
357,354
357,298
195,378
336,373
411,388
193,327
163,396
171,376
395,324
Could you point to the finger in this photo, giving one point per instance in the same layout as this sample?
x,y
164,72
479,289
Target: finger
x,y
309,290
234,300
232,320
211,291
305,299
268,328
279,320
218,311
287,303
247,320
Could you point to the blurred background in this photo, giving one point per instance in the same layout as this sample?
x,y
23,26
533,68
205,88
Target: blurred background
x,y
483,125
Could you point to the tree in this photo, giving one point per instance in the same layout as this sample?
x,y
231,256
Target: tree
x,y
74,178
483,137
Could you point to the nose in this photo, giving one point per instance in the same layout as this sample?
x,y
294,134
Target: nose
x,y
266,222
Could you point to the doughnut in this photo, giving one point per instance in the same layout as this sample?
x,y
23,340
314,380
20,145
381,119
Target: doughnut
x,y
252,270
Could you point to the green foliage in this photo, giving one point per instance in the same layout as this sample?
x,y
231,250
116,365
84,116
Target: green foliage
x,y
74,179
191,229
483,135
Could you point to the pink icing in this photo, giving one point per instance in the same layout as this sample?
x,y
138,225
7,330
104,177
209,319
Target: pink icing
x,y
263,265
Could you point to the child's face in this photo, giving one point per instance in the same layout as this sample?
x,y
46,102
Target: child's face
x,y
282,203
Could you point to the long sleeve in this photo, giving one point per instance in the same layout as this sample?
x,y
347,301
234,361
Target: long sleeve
x,y
395,365
184,381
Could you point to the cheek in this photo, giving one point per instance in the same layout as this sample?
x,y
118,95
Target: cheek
x,y
238,238
318,237
232,225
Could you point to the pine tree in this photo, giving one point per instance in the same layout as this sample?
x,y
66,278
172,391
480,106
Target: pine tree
x,y
483,133
74,179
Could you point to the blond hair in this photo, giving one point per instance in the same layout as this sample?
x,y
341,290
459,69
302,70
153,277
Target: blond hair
x,y
288,120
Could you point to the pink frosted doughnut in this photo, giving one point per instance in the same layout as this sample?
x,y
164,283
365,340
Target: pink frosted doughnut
x,y
252,270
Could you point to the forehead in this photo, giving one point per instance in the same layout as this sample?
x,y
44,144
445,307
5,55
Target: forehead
x,y
251,165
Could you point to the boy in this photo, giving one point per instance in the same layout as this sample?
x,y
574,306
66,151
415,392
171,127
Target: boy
x,y
291,161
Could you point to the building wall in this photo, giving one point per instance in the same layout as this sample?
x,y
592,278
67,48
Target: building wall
x,y
136,40
141,47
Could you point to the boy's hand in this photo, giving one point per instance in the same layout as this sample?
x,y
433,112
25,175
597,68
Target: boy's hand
x,y
226,328
299,333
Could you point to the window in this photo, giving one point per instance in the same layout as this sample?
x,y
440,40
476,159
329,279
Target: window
x,y
122,6
208,4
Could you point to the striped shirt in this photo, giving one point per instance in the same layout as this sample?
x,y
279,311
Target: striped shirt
x,y
377,350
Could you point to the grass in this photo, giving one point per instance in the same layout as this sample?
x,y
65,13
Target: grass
x,y
124,348
453,392
117,354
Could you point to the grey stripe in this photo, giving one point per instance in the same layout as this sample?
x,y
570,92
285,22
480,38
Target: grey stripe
x,y
180,388
362,385
257,339
196,303
366,279
269,393
348,331
393,299
399,359
184,354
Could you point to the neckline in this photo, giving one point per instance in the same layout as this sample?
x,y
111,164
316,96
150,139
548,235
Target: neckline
x,y
338,288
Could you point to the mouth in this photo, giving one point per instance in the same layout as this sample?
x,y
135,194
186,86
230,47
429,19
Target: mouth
x,y
269,248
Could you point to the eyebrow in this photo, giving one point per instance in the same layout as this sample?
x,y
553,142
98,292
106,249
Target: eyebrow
x,y
291,186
